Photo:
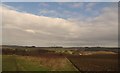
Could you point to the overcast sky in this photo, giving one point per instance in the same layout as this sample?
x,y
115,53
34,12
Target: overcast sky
x,y
60,24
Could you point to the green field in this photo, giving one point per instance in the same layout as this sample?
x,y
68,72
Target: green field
x,y
14,63
27,63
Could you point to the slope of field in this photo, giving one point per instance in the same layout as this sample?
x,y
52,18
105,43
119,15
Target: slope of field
x,y
34,63
103,62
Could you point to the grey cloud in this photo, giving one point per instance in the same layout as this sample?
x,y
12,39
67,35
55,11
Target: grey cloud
x,y
28,29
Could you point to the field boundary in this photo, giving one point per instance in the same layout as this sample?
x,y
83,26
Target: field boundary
x,y
74,65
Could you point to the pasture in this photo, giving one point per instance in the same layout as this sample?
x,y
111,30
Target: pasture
x,y
30,63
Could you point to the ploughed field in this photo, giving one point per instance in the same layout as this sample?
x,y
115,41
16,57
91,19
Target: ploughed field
x,y
44,60
102,62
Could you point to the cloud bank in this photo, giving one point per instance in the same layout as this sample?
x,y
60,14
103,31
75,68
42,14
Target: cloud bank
x,y
22,28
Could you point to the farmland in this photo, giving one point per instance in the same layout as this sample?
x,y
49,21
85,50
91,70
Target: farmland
x,y
30,63
95,62
15,63
60,59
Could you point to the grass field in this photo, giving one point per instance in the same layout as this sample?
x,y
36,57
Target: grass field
x,y
14,63
29,63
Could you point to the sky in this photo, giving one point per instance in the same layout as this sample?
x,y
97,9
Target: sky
x,y
59,0
60,23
